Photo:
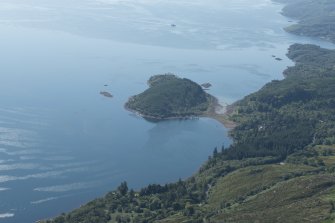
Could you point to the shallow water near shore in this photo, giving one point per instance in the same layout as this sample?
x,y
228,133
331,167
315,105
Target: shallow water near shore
x,y
62,143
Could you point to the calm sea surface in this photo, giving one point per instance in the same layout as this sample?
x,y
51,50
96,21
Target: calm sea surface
x,y
63,144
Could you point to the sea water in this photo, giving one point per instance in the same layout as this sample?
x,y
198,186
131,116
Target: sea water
x,y
62,143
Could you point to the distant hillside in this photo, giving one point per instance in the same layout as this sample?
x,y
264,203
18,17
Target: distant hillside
x,y
316,18
279,169
169,96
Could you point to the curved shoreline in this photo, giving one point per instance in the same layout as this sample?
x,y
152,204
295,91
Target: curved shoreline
x,y
222,118
211,112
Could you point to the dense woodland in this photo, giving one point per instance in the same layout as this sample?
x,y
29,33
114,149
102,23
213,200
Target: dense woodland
x,y
286,116
169,96
281,165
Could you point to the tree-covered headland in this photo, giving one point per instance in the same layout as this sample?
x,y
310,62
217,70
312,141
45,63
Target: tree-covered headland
x,y
169,96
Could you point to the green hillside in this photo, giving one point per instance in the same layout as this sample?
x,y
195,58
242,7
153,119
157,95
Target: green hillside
x,y
316,18
286,116
169,96
279,169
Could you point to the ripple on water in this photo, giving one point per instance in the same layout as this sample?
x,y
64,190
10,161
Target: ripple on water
x,y
67,187
49,174
44,200
17,152
4,189
16,137
19,166
7,215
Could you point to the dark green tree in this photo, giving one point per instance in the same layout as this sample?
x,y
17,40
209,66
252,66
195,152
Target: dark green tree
x,y
123,188
215,152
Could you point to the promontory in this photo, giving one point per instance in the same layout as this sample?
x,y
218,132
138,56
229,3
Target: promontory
x,y
170,96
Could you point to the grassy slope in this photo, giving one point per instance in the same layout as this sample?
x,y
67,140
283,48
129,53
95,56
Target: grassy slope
x,y
245,182
291,191
300,189
296,200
